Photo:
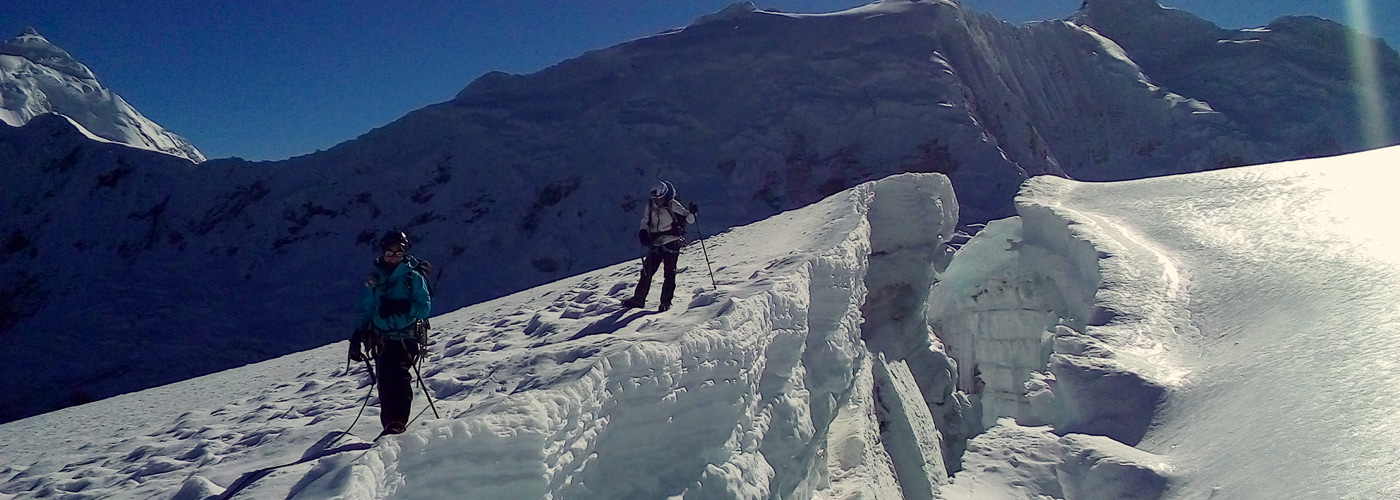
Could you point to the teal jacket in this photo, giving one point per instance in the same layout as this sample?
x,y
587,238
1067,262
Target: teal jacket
x,y
394,300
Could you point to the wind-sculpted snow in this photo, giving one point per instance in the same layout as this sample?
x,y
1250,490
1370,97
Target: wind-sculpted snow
x,y
1173,338
1230,310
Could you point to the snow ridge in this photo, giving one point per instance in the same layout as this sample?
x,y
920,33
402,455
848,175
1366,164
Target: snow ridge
x,y
1244,74
34,47
776,357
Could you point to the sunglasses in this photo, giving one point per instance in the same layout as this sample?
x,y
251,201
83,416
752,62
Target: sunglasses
x,y
393,251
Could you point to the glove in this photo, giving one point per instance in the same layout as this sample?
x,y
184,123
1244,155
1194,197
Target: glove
x,y
357,339
356,354
644,237
694,210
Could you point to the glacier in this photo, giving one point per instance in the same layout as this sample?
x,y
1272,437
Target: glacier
x,y
522,180
1220,334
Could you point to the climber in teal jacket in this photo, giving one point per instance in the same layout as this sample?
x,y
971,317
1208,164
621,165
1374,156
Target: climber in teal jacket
x,y
395,297
391,327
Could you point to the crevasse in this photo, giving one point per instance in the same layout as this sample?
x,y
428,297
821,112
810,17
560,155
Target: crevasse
x,y
859,363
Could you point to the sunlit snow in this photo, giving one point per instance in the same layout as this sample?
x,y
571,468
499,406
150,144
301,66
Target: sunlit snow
x,y
1228,334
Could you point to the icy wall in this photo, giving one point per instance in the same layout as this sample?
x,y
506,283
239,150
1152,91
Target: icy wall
x,y
776,396
1021,312
867,362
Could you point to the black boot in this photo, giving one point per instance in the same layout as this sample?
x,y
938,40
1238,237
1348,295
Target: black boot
x,y
391,429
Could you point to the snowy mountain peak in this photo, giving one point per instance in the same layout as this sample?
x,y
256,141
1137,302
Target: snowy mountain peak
x,y
37,49
1142,14
38,78
1138,7
734,11
738,8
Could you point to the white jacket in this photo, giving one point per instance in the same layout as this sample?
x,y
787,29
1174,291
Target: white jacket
x,y
658,220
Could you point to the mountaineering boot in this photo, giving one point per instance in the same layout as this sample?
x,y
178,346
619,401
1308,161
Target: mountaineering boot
x,y
632,303
665,306
393,428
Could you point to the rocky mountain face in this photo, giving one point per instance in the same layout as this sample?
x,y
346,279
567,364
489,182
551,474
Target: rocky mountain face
x,y
178,270
1298,84
37,77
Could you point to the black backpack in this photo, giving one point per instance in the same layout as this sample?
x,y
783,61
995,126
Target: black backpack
x,y
424,269
401,306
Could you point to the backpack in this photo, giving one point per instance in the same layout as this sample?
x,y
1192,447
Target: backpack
x,y
424,269
677,222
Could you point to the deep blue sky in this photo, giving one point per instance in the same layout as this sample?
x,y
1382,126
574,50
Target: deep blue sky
x,y
270,79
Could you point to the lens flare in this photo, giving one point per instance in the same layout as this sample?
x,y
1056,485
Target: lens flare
x,y
1365,66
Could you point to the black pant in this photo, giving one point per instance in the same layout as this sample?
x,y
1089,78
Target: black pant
x,y
657,256
395,382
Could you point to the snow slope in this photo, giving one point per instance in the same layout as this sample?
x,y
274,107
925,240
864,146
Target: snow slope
x,y
1253,308
522,180
37,77
556,390
1212,335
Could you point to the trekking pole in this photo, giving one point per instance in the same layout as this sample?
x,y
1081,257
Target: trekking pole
x,y
424,386
706,252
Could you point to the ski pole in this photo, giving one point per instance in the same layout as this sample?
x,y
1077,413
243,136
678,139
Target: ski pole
x,y
425,391
706,252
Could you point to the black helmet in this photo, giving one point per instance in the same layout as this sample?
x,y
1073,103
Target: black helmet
x,y
394,238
